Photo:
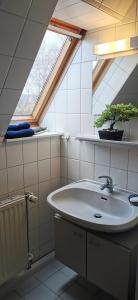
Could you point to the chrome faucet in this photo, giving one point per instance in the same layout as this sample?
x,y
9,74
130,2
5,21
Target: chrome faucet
x,y
109,184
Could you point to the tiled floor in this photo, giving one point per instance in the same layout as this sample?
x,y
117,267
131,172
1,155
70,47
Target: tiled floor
x,y
51,281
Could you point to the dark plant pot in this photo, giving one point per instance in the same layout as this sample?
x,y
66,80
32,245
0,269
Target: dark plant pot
x,y
111,134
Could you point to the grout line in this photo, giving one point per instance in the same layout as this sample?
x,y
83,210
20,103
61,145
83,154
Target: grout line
x,y
23,26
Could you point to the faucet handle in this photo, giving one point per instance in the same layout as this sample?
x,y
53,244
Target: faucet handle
x,y
109,179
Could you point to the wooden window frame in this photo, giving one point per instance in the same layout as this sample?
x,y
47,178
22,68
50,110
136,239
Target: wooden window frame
x,y
56,75
99,72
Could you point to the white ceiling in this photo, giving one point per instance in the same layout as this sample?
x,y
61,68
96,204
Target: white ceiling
x,y
82,14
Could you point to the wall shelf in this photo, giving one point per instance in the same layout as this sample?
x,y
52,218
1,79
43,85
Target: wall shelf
x,y
96,140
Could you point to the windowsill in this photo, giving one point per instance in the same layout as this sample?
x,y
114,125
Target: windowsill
x,y
35,136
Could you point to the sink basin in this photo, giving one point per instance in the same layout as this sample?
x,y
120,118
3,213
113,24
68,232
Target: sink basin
x,y
84,203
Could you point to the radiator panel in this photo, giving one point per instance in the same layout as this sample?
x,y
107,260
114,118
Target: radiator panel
x,y
13,238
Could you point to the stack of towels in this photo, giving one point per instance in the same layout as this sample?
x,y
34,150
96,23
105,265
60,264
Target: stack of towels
x,y
19,130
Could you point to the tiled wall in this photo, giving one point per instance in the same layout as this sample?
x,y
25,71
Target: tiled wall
x,y
113,81
33,165
81,160
71,112
22,27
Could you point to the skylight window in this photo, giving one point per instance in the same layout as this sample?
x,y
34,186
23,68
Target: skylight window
x,y
46,59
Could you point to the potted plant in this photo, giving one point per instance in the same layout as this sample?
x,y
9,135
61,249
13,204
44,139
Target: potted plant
x,y
114,113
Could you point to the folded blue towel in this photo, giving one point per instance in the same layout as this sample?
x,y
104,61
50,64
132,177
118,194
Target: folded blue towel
x,y
18,126
19,134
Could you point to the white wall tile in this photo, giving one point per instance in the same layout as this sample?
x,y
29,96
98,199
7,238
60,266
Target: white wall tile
x,y
2,156
64,147
63,85
73,148
133,160
44,169
55,184
118,79
73,169
86,75
55,147
87,124
43,148
10,30
30,174
44,190
74,76
77,57
30,40
60,122
55,167
74,101
100,170
50,122
86,170
87,49
87,151
14,153
29,151
44,213
86,101
3,182
119,177
102,155
119,158
33,218
73,124
64,167
15,178
18,74
132,182
61,101
33,239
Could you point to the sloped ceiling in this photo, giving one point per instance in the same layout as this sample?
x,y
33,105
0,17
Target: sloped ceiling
x,y
129,92
23,24
115,8
82,14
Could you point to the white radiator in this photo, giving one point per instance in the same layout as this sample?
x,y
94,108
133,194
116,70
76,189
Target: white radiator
x,y
13,237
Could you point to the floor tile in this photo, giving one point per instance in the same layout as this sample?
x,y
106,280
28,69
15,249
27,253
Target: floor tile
x,y
58,282
56,264
77,292
45,272
26,285
69,272
41,293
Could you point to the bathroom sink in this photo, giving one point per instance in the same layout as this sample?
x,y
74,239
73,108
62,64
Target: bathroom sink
x,y
84,203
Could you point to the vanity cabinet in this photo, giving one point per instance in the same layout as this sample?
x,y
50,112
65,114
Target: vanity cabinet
x,y
70,244
108,266
107,260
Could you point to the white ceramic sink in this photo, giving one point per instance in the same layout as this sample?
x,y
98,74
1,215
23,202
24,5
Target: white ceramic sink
x,y
84,203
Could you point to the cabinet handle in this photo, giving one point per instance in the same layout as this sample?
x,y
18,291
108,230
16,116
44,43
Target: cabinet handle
x,y
57,217
78,234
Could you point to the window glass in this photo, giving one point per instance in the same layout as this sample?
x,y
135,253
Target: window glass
x,y
48,54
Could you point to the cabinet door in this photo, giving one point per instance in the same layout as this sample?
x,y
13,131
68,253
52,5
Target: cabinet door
x,y
108,266
70,244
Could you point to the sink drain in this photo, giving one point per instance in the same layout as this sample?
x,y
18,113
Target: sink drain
x,y
98,216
